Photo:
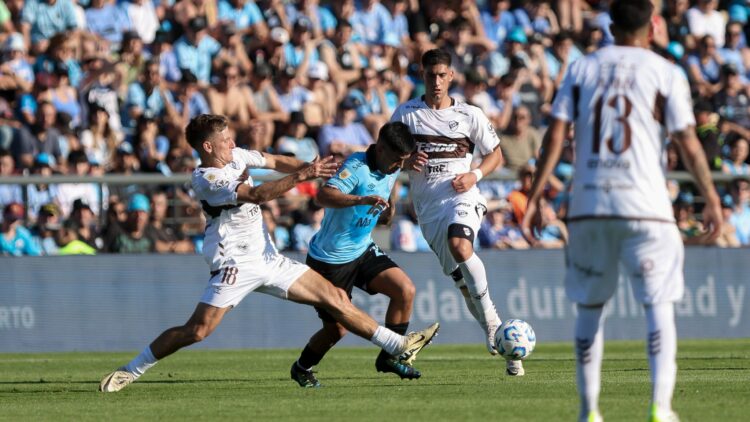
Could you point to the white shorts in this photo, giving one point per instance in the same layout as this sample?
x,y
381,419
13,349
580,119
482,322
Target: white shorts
x,y
272,276
651,254
466,213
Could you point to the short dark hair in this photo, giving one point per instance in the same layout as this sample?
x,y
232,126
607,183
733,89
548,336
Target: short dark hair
x,y
631,15
434,57
203,127
397,137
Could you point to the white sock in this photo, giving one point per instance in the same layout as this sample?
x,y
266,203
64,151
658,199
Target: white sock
x,y
589,343
140,364
662,352
392,343
470,305
476,281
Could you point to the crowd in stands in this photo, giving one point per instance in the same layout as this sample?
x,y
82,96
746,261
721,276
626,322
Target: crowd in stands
x,y
93,87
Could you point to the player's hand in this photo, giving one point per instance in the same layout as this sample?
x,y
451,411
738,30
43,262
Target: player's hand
x,y
416,161
532,219
324,168
463,182
712,221
378,204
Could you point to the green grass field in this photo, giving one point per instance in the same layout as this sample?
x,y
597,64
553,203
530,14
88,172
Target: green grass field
x,y
459,383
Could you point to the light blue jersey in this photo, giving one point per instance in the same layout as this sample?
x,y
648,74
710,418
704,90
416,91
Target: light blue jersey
x,y
346,233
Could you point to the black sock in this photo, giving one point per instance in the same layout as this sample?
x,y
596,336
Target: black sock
x,y
309,358
398,329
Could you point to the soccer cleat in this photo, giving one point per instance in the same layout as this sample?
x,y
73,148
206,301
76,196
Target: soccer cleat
x,y
416,341
514,368
305,379
389,364
491,330
116,381
662,415
593,416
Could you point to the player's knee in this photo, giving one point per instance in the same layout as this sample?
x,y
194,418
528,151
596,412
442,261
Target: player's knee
x,y
337,300
408,291
197,333
461,249
335,332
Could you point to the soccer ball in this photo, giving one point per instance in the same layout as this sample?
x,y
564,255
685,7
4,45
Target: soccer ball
x,y
515,339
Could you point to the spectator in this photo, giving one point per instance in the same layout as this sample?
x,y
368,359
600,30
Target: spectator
x,y
266,100
307,226
39,194
690,228
151,148
708,133
735,164
196,49
83,224
100,140
728,236
100,89
341,56
148,96
292,96
8,193
44,233
521,143
296,142
323,106
562,53
279,233
15,63
678,27
168,238
704,67
497,232
373,110
43,137
130,59
143,19
190,101
732,103
344,136
186,10
133,237
68,193
740,219
734,51
162,51
301,51
15,239
406,235
553,233
498,21
704,20
475,93
42,19
245,15
108,21
519,197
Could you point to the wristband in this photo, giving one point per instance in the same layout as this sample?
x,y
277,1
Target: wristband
x,y
478,173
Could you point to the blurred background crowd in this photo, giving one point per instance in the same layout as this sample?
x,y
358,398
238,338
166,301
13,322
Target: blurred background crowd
x,y
94,87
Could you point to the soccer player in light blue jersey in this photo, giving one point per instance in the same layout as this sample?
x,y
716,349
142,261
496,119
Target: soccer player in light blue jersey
x,y
344,253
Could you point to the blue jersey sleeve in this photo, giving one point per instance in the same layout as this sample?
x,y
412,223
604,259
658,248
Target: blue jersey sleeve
x,y
347,178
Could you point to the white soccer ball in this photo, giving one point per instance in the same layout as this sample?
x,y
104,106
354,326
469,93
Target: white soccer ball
x,y
515,339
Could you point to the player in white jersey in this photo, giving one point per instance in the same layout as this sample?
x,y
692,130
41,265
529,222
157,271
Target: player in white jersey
x,y
241,255
620,99
443,188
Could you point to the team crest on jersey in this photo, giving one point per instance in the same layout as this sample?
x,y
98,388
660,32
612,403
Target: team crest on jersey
x,y
344,174
235,165
453,125
210,177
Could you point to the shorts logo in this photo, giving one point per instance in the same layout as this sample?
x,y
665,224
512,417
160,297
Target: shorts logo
x,y
467,231
344,174
461,213
453,125
646,266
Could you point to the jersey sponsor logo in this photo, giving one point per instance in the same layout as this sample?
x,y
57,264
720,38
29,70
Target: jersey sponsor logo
x,y
437,146
363,222
371,186
437,169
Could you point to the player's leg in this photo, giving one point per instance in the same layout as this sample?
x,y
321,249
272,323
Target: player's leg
x,y
654,256
317,347
460,283
201,324
460,244
312,289
590,280
394,283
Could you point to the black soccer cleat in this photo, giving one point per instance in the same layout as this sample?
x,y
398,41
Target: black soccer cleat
x,y
385,363
305,379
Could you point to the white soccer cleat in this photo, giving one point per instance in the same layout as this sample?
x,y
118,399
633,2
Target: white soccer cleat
x,y
116,381
416,341
662,415
514,368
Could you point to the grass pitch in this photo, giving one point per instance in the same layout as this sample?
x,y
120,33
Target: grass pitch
x,y
459,383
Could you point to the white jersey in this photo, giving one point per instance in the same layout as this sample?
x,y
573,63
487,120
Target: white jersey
x,y
234,231
620,99
449,137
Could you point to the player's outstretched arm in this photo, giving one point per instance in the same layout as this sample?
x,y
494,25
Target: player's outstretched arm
x,y
330,197
551,149
283,163
695,161
271,190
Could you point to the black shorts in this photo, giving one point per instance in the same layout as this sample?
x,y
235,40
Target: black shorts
x,y
357,273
